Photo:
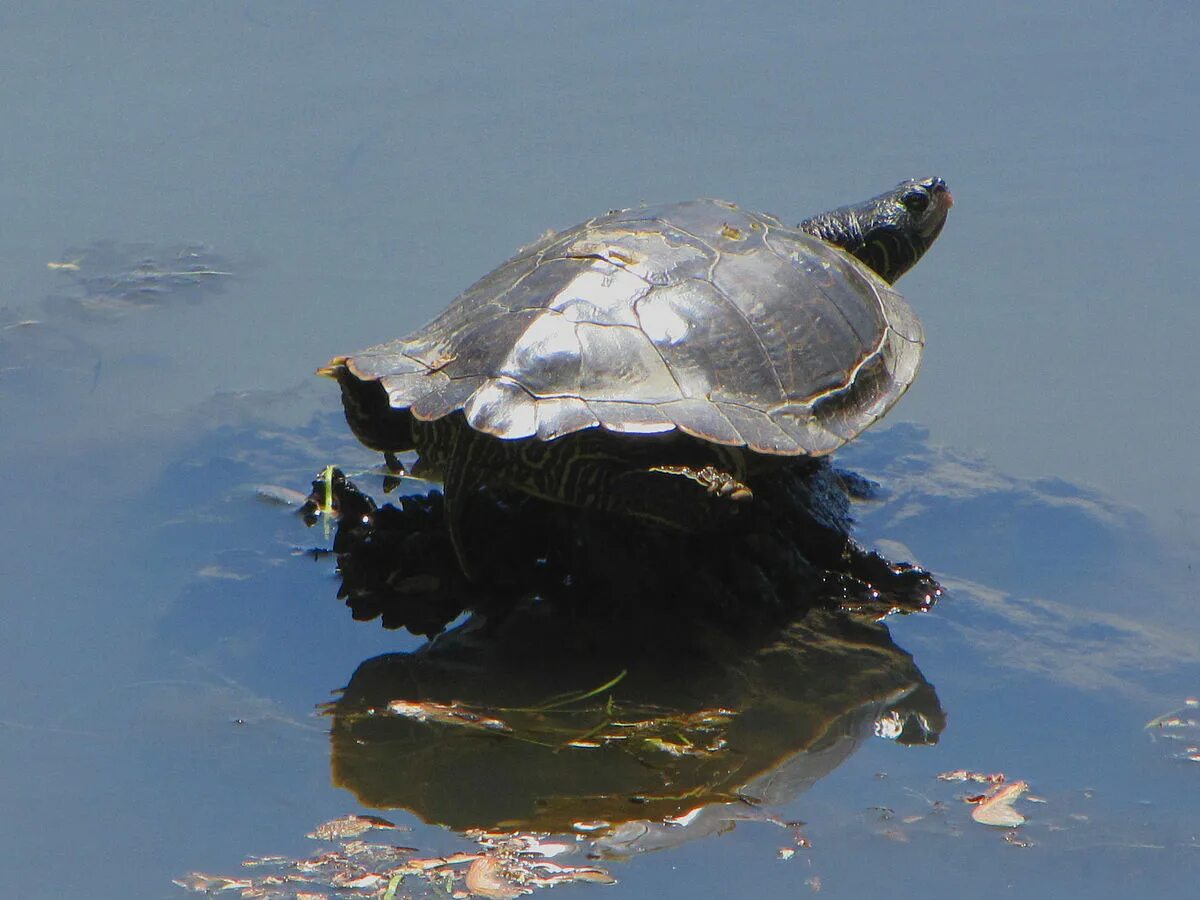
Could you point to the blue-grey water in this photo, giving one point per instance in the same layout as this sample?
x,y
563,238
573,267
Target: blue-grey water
x,y
339,172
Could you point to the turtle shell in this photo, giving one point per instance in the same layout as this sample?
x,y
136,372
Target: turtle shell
x,y
698,317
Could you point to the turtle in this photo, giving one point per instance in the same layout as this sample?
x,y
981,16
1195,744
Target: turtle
x,y
651,360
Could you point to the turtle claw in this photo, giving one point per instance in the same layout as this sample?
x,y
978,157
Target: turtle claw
x,y
394,465
396,472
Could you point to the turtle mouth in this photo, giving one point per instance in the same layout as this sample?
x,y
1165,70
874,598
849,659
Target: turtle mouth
x,y
941,193
936,217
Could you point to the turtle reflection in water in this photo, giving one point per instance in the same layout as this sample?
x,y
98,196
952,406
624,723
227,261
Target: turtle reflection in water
x,y
536,728
654,361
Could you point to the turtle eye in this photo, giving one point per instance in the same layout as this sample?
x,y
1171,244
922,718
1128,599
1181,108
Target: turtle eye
x,y
915,201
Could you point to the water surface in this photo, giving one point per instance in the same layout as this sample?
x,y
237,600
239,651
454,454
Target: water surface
x,y
165,646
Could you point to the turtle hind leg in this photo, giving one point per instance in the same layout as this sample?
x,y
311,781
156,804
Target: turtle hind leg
x,y
667,482
714,480
677,497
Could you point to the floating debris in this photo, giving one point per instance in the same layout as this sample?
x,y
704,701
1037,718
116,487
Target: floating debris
x,y
506,865
213,884
252,861
367,882
1011,837
445,714
349,826
1180,728
996,806
675,748
529,843
486,877
591,827
964,775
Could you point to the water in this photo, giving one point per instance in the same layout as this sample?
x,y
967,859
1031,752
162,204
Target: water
x,y
354,169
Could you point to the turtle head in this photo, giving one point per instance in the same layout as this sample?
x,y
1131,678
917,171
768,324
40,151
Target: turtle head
x,y
889,232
